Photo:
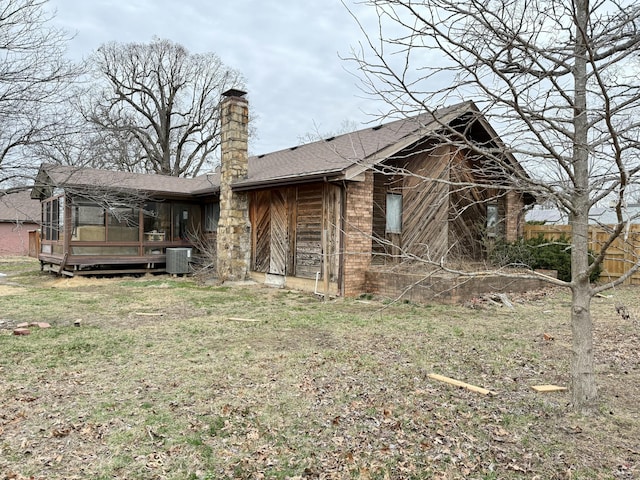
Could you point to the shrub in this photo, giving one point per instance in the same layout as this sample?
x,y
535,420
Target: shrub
x,y
538,253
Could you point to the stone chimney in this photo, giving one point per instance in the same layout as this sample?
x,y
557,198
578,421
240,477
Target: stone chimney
x,y
234,228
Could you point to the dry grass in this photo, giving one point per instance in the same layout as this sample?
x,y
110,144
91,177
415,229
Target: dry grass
x,y
160,383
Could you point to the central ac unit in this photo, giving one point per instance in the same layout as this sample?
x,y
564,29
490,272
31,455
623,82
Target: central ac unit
x,y
178,260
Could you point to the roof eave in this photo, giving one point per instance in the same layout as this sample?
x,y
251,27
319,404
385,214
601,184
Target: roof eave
x,y
360,167
286,181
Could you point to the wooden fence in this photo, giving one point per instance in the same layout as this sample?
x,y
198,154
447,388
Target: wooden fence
x,y
623,253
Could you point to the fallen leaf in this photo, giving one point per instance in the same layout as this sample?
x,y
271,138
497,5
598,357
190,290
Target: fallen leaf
x,y
60,432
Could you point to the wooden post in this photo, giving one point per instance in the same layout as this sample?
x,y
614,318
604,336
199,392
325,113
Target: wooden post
x,y
325,263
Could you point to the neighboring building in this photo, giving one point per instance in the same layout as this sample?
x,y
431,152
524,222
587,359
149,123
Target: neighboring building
x,y
545,215
326,210
19,215
597,215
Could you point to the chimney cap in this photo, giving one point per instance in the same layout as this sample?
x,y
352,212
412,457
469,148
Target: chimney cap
x,y
234,92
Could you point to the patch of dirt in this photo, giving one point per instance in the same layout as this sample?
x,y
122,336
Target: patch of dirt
x,y
9,288
80,281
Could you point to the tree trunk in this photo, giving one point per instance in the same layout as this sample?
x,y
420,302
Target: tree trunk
x,y
583,387
583,383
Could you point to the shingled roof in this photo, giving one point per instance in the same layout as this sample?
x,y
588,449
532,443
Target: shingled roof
x,y
327,158
89,178
19,207
334,155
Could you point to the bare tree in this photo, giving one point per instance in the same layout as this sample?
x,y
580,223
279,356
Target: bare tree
x,y
559,79
34,81
162,100
84,144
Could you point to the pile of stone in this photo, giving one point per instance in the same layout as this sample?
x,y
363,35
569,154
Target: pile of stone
x,y
23,328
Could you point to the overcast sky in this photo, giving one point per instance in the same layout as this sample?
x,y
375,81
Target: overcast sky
x,y
288,50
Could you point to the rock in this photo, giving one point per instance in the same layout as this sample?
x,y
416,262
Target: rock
x,y
22,331
35,324
23,325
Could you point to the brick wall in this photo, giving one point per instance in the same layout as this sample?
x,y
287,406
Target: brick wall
x,y
14,237
514,216
357,239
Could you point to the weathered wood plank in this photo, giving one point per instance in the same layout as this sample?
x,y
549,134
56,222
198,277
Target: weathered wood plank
x,y
279,241
425,204
261,209
458,383
309,231
548,388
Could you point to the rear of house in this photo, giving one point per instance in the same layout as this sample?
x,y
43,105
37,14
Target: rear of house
x,y
326,211
316,214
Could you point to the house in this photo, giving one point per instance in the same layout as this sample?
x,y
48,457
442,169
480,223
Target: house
x,y
324,211
19,215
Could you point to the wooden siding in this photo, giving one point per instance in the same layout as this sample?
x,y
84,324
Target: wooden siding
x,y
332,213
279,235
426,205
287,228
441,216
468,214
620,257
309,232
380,249
260,215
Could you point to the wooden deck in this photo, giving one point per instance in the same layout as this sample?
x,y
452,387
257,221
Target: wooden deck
x,y
102,265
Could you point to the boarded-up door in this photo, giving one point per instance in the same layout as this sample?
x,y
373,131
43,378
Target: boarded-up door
x,y
261,231
279,233
287,226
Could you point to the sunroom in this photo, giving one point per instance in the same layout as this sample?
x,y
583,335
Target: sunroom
x,y
119,222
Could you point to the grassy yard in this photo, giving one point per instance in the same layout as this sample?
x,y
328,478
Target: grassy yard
x,y
169,379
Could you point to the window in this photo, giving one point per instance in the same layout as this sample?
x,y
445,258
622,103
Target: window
x,y
211,217
492,219
186,221
157,221
53,214
88,222
89,215
123,224
394,213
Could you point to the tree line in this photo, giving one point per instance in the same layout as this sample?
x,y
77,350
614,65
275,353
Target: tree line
x,y
140,107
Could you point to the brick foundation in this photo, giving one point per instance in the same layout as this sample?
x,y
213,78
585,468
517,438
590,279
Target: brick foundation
x,y
446,289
